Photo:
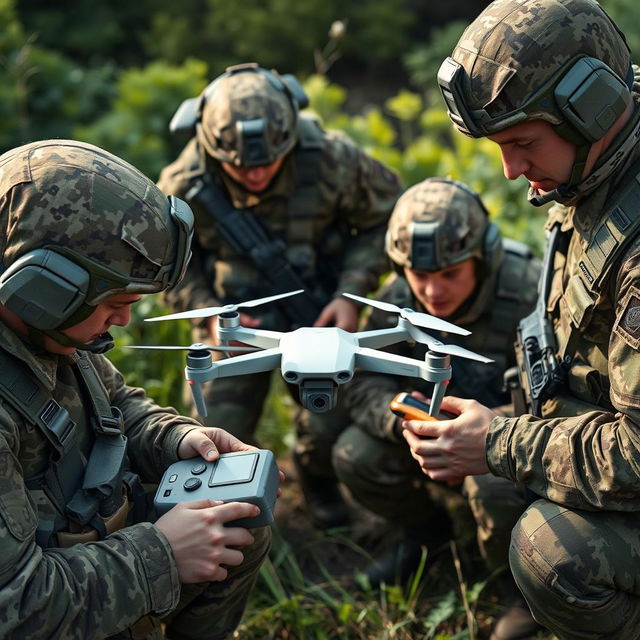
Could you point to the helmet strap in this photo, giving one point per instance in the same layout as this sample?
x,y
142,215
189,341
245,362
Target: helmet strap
x,y
101,344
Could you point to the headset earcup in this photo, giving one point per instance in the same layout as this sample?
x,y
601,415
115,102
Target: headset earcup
x,y
591,97
44,288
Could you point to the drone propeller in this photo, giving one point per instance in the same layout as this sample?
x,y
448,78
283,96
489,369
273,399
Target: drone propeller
x,y
449,349
416,318
207,312
196,346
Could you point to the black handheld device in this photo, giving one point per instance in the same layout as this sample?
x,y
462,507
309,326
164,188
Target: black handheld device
x,y
241,476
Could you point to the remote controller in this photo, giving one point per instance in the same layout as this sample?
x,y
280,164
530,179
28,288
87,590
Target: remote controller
x,y
241,476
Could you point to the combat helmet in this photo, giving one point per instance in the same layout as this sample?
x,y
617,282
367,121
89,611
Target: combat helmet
x,y
563,61
438,223
80,224
248,115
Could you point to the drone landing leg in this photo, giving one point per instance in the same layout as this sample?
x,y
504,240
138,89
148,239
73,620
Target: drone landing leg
x,y
441,365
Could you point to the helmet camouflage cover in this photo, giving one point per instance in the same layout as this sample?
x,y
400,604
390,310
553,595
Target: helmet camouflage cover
x,y
248,117
515,51
97,211
435,224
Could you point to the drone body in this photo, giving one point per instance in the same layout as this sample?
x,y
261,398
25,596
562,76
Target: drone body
x,y
319,359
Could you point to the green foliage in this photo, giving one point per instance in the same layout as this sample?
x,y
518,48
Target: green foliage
x,y
136,127
159,372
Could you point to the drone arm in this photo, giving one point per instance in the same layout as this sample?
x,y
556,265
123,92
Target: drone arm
x,y
255,337
199,370
377,338
250,363
383,362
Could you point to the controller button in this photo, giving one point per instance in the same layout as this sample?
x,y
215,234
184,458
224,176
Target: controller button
x,y
192,484
198,469
173,477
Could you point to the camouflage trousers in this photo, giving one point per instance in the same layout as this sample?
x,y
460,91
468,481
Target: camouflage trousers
x,y
579,570
208,610
383,477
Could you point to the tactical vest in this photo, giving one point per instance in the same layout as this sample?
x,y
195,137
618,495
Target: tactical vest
x,y
510,300
598,261
88,495
313,237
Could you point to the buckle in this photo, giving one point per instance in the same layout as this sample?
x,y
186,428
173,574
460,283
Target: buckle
x,y
57,420
110,426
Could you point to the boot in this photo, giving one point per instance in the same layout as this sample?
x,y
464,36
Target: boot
x,y
516,623
325,503
398,563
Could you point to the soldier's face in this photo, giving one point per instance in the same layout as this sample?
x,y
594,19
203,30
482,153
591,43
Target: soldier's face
x,y
112,311
442,292
254,179
534,150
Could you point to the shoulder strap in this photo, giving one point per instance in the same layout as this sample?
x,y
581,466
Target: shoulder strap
x,y
305,202
79,488
26,395
507,304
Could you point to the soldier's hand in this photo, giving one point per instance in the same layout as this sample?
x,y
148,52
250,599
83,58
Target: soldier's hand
x,y
341,313
210,442
449,450
200,542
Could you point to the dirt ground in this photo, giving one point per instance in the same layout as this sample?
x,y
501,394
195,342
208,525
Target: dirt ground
x,y
345,551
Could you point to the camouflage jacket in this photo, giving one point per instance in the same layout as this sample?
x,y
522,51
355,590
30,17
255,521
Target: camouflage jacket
x,y
585,453
329,202
87,590
491,318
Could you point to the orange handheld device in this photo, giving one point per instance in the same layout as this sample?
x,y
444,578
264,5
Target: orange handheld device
x,y
409,408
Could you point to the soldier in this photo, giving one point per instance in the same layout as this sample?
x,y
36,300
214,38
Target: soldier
x,y
280,205
85,236
551,82
451,262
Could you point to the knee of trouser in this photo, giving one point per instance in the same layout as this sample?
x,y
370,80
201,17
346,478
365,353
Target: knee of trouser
x,y
554,556
351,460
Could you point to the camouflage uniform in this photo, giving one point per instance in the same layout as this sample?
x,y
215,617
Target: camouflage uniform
x,y
101,588
371,456
329,202
575,552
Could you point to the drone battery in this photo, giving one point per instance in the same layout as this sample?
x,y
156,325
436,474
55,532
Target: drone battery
x,y
241,476
409,408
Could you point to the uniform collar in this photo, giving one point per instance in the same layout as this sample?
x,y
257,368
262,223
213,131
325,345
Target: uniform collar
x,y
44,366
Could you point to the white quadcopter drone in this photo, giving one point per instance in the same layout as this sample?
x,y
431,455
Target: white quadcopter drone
x,y
319,359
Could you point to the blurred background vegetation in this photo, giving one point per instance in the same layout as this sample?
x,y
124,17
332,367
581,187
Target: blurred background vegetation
x,y
113,72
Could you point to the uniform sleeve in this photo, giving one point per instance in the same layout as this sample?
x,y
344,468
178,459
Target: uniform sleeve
x,y
153,432
84,592
367,194
591,461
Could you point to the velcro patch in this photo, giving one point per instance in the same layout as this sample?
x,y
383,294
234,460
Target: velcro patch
x,y
630,319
